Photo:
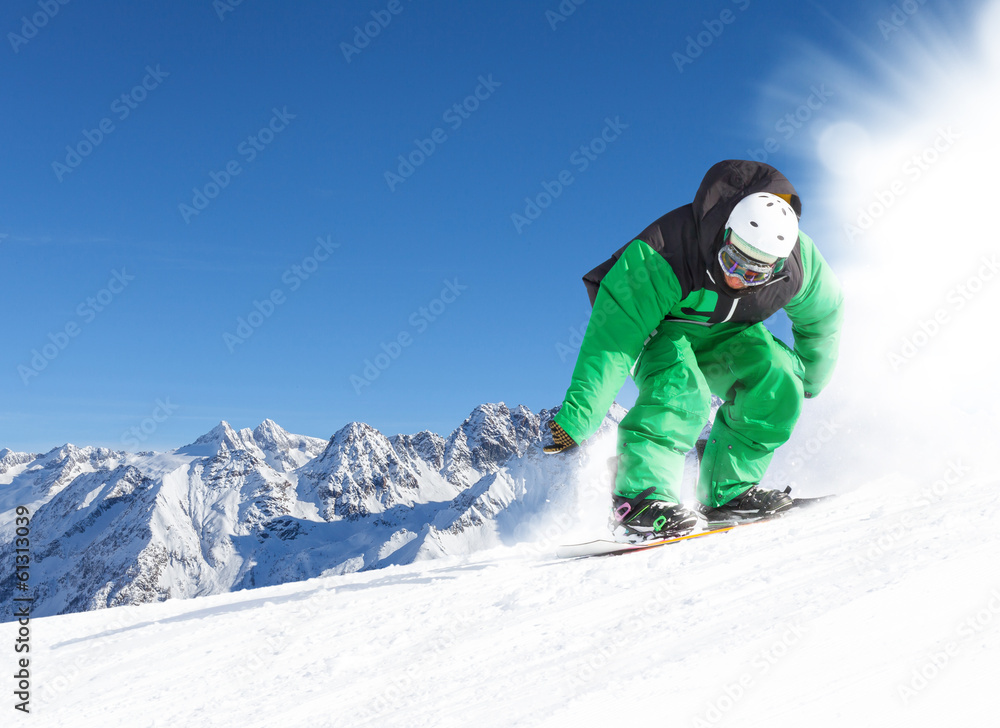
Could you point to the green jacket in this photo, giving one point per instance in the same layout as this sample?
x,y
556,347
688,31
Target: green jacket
x,y
670,273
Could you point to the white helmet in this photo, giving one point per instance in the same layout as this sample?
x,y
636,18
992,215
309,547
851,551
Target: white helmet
x,y
765,226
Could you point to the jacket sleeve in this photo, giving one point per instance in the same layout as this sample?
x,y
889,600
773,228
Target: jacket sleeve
x,y
633,299
816,313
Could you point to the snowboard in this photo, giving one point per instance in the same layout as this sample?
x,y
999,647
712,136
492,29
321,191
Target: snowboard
x,y
607,547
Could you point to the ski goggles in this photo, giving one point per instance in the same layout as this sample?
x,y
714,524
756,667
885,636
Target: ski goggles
x,y
736,263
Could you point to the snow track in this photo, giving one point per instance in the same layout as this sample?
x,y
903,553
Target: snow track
x,y
873,610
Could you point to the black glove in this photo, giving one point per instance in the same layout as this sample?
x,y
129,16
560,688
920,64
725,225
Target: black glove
x,y
561,441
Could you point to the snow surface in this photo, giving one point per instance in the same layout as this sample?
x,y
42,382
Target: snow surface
x,y
820,619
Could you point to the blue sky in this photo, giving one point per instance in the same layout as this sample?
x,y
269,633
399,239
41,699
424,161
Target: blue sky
x,y
204,213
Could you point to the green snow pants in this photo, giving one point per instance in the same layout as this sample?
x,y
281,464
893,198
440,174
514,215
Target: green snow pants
x,y
759,380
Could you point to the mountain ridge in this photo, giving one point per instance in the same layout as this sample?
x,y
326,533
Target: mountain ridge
x,y
237,509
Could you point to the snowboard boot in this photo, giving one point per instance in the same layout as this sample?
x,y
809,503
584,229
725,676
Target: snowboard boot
x,y
753,504
640,519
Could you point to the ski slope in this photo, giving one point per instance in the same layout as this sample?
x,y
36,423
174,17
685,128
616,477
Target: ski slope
x,y
878,609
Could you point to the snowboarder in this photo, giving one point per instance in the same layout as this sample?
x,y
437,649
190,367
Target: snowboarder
x,y
680,308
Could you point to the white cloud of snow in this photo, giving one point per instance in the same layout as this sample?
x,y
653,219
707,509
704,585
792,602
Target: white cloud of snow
x,y
908,162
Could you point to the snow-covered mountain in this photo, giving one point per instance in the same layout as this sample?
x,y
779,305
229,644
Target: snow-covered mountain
x,y
248,508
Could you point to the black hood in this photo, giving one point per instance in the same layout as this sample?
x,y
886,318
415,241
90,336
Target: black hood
x,y
724,185
690,236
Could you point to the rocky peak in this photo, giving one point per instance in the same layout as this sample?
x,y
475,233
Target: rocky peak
x,y
270,435
426,447
360,473
219,440
283,450
10,459
487,438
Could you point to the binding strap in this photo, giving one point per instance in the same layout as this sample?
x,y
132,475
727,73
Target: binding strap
x,y
622,511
